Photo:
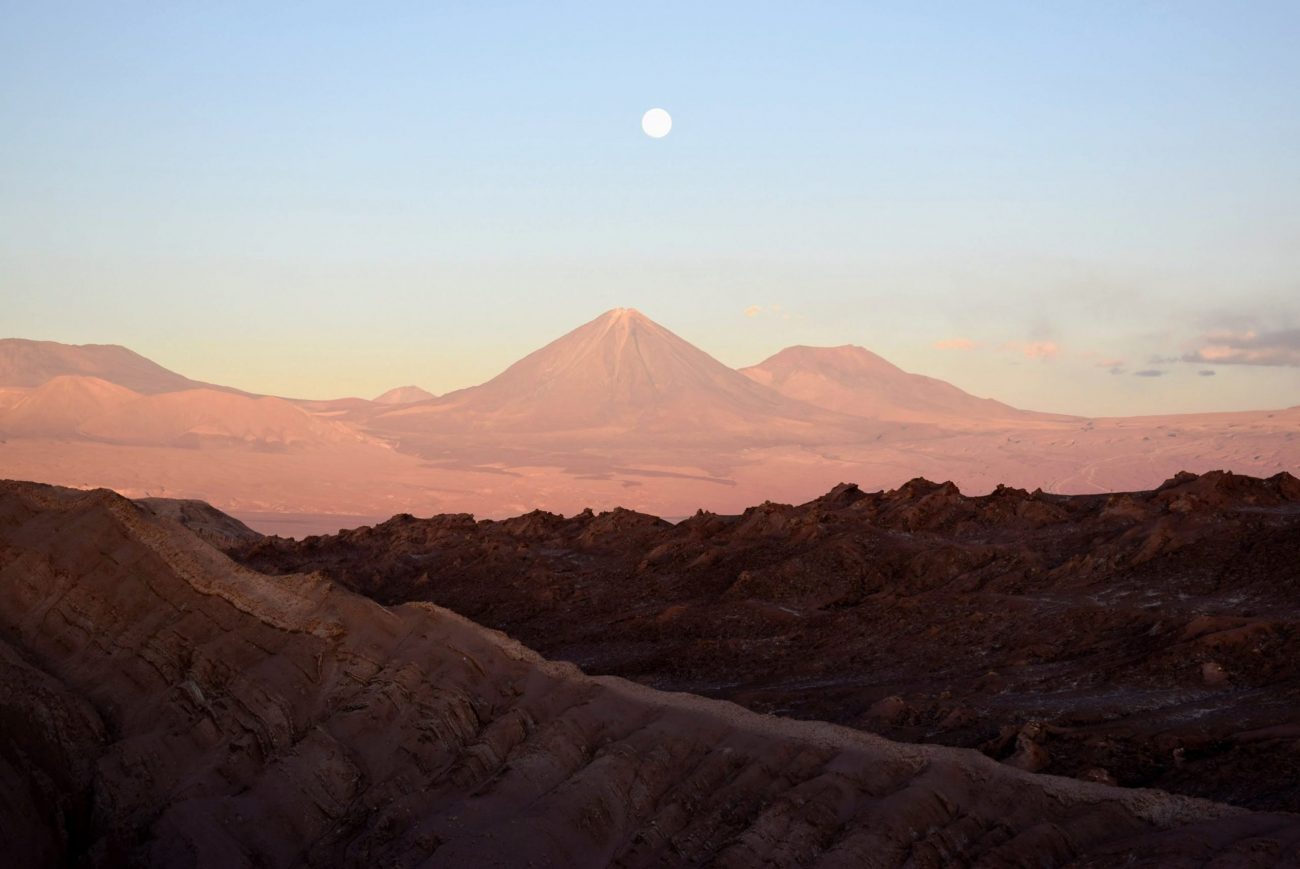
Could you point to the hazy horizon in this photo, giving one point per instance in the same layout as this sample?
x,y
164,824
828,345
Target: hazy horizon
x,y
1076,210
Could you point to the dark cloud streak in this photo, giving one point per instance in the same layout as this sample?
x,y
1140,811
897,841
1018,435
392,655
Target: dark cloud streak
x,y
1279,347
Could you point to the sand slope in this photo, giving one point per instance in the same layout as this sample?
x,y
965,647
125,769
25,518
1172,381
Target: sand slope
x,y
198,415
71,406
59,406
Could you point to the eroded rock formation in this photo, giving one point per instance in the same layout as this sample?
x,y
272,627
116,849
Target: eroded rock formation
x,y
1149,638
164,706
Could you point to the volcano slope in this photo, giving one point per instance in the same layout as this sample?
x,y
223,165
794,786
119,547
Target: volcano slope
x,y
1148,638
165,706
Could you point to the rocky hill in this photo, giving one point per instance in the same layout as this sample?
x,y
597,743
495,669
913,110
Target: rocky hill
x,y
164,706
1146,638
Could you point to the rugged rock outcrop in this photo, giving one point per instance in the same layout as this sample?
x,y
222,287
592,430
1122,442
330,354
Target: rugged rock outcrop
x,y
203,519
164,706
1149,638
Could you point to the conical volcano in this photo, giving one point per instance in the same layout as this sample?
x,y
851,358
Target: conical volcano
x,y
621,371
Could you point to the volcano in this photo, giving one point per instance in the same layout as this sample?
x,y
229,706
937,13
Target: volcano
x,y
853,380
620,374
403,395
618,412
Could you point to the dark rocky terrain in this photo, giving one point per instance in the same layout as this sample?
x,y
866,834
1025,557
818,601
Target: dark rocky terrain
x,y
161,705
203,519
164,706
1148,639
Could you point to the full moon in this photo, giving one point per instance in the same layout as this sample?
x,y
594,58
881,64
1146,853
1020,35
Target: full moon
x,y
656,123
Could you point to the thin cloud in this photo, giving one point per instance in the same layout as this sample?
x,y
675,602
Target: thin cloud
x,y
760,310
1207,373
1149,372
1034,349
956,344
1280,347
1099,360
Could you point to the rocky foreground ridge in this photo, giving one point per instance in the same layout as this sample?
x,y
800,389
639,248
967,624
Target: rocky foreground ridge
x,y
1145,638
164,706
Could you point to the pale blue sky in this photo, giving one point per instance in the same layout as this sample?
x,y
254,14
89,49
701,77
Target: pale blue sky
x,y
319,200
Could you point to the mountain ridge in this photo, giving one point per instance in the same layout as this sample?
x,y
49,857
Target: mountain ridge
x,y
1021,624
617,411
72,405
29,363
853,380
622,371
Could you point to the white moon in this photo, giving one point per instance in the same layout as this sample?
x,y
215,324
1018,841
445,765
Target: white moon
x,y
656,123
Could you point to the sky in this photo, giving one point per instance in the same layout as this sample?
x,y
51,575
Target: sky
x,y
1078,207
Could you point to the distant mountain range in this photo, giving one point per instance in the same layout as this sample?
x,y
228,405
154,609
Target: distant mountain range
x,y
26,363
404,395
618,411
96,409
854,381
620,372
